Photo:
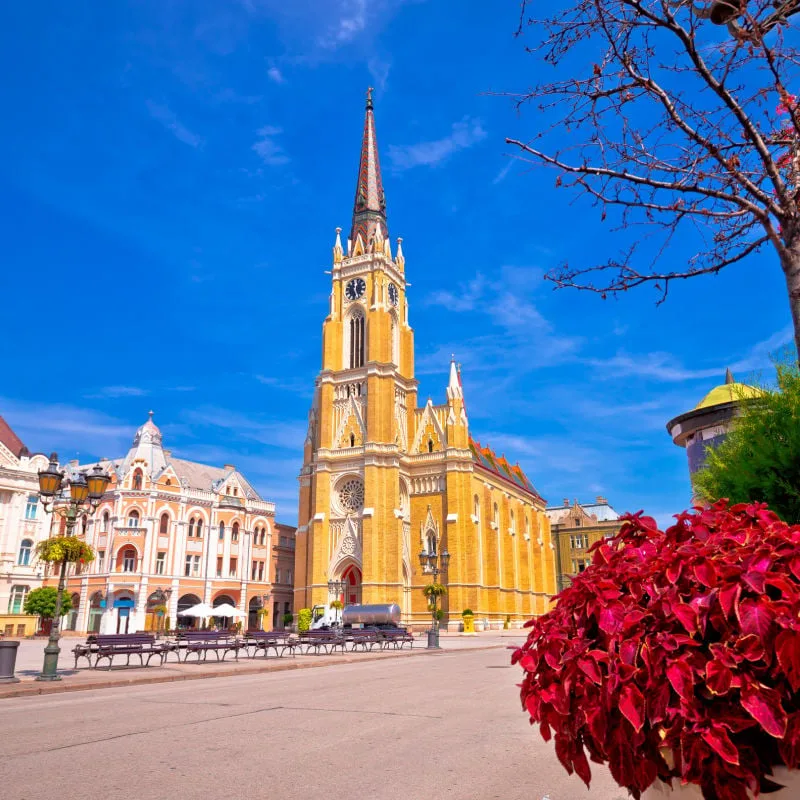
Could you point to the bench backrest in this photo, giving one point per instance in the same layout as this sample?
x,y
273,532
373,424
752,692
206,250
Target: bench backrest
x,y
204,636
123,638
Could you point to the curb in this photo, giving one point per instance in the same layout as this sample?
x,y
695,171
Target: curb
x,y
35,688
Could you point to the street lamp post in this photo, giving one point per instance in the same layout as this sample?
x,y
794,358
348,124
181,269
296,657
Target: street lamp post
x,y
67,497
336,588
434,564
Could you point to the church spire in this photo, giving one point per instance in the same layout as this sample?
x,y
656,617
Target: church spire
x,y
369,210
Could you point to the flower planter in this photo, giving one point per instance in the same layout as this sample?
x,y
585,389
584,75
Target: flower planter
x,y
790,780
469,623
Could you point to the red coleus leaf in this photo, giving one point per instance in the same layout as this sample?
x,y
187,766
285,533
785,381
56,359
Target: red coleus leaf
x,y
729,597
681,677
718,677
687,616
764,706
787,651
754,617
589,667
631,705
719,741
705,573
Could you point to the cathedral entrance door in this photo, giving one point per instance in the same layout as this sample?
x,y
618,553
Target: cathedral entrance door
x,y
352,580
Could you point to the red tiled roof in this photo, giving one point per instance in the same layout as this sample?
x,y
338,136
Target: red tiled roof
x,y
486,458
10,439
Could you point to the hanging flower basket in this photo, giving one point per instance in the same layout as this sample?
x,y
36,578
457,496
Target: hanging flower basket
x,y
64,548
675,657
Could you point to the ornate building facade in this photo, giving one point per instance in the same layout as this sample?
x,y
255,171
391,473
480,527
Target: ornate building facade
x,y
576,527
169,534
384,478
23,524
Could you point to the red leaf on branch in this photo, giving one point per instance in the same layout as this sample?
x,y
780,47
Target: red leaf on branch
x,y
764,706
631,705
719,741
681,677
718,677
754,617
787,650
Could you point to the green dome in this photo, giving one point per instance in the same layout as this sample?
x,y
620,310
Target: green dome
x,y
728,392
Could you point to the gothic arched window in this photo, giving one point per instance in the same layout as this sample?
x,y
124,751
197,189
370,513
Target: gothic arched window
x,y
357,339
191,527
163,526
431,543
105,521
199,528
235,532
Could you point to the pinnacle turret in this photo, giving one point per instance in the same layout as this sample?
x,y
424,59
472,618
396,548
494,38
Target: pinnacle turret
x,y
369,209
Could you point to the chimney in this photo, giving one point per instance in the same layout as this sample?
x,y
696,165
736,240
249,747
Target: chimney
x,y
229,466
74,462
601,501
566,502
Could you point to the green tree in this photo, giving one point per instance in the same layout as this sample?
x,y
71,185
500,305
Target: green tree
x,y
303,619
760,459
41,602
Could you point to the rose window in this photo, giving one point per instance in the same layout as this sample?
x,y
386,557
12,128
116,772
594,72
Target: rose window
x,y
351,495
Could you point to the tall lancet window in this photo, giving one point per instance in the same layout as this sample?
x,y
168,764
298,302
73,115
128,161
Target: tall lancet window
x,y
357,340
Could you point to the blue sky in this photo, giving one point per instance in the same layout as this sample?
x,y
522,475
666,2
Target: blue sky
x,y
172,176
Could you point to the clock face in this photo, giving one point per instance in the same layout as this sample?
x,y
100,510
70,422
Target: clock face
x,y
393,295
355,288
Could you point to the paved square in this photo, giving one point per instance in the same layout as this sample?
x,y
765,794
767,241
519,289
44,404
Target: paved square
x,y
440,725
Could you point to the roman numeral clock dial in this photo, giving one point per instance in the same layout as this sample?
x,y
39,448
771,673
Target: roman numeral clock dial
x,y
355,288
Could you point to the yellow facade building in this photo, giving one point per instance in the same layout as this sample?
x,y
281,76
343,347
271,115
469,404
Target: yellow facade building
x,y
384,478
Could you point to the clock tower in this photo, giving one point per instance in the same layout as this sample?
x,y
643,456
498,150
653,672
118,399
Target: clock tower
x,y
352,500
384,479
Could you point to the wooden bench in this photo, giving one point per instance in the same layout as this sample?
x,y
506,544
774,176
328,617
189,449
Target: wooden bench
x,y
321,640
396,638
107,646
279,641
203,642
363,638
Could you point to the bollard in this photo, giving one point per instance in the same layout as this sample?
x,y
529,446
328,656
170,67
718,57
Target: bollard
x,y
8,661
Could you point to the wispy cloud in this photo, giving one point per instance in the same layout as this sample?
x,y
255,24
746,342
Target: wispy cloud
x,y
379,72
666,367
501,176
167,118
288,434
118,391
463,135
268,149
351,20
275,75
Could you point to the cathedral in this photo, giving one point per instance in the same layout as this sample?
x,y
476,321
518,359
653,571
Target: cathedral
x,y
384,479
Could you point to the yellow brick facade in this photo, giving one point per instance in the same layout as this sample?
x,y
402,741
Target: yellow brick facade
x,y
383,476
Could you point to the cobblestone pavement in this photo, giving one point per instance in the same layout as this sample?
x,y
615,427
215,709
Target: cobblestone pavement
x,y
419,727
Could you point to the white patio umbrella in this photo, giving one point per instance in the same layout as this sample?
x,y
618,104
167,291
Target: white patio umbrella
x,y
227,610
201,611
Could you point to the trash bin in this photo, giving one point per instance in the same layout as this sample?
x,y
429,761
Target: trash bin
x,y
8,661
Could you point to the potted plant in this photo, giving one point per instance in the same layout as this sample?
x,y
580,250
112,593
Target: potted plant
x,y
303,620
675,658
288,619
41,603
468,619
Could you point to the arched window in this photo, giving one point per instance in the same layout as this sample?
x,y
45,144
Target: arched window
x,y
137,479
357,339
352,440
191,527
163,526
129,560
199,528
222,530
431,542
25,552
106,520
235,532
430,445
476,506
527,527
513,524
496,516
84,523
133,519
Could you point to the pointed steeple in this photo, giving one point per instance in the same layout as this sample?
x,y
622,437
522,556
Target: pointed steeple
x,y
369,209
729,376
454,384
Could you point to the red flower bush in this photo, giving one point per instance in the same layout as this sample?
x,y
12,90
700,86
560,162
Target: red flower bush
x,y
676,654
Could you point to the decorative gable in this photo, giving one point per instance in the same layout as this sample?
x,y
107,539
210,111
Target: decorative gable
x,y
352,430
430,437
